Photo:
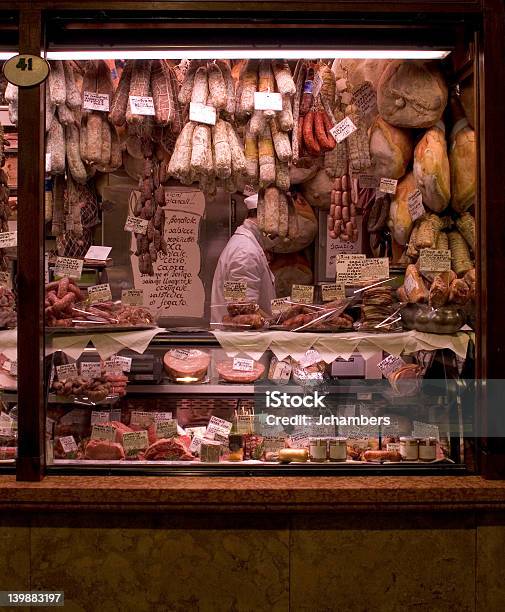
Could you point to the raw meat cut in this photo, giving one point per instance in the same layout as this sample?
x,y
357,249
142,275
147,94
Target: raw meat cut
x,y
171,449
119,428
227,373
103,450
181,363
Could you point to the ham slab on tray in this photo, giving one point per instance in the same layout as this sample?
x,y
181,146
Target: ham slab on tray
x,y
227,373
184,363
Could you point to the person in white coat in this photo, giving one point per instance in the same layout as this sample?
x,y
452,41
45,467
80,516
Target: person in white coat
x,y
243,260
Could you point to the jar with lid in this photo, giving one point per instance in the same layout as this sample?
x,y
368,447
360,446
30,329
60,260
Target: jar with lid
x,y
236,445
210,451
409,448
317,449
427,449
337,449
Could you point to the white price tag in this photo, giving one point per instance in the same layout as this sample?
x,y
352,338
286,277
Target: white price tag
x,y
388,185
279,305
48,163
235,291
67,371
66,266
8,239
365,98
348,267
331,292
243,365
163,416
343,129
68,444
310,358
99,293
181,353
389,365
201,113
282,371
95,101
142,105
217,426
302,294
132,297
375,268
299,440
165,429
267,100
91,369
434,260
134,441
195,445
415,204
112,367
368,181
98,253
103,432
99,416
13,370
125,363
141,419
136,225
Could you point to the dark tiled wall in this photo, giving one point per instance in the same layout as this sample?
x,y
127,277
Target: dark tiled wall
x,y
312,563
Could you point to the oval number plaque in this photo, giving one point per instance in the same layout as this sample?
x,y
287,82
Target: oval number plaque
x,y
26,70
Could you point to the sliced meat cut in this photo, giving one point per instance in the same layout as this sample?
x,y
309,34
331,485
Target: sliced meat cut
x,y
184,363
103,450
119,428
168,449
227,373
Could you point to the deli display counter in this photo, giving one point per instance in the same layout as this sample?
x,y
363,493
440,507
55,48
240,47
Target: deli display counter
x,y
261,256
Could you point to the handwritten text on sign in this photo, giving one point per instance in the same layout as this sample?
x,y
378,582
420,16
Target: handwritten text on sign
x,y
176,289
343,129
142,105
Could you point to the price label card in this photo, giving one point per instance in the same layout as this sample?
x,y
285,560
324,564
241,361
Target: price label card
x,y
310,358
115,414
136,225
91,369
249,190
141,419
316,87
125,363
132,297
267,100
95,101
195,445
235,291
375,268
165,429
368,181
389,365
8,239
26,70
68,444
99,416
243,365
67,371
103,432
13,369
66,266
201,113
365,98
279,305
425,430
331,292
302,294
100,293
218,427
346,97
388,185
415,204
393,447
48,163
180,353
98,253
434,260
348,267
164,416
282,371
343,129
134,441
299,440
142,105
273,444
112,367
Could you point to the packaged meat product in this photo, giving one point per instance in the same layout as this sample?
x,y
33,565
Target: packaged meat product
x,y
412,94
390,149
103,450
191,364
228,374
400,221
431,168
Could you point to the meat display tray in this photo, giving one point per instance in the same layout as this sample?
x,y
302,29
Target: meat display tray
x,y
97,329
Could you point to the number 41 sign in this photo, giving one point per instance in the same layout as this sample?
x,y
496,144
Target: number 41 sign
x,y
26,70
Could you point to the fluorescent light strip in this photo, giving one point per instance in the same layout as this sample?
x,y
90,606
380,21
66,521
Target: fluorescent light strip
x,y
248,54
5,55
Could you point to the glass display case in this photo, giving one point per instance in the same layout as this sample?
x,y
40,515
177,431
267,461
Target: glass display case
x,y
260,255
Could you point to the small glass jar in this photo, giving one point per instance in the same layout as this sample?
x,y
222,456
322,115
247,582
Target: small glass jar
x,y
210,451
317,449
409,448
236,445
427,449
337,449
